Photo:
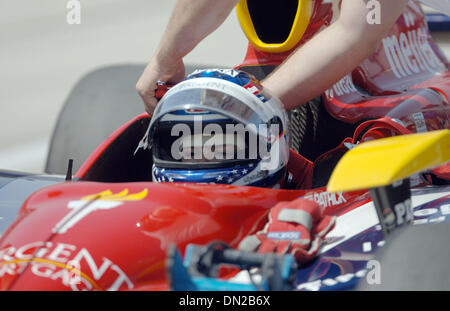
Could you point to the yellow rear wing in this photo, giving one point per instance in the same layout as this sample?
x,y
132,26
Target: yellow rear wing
x,y
384,161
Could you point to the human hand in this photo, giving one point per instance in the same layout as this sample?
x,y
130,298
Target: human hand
x,y
297,227
166,71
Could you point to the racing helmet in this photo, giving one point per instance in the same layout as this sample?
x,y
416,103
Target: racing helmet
x,y
219,126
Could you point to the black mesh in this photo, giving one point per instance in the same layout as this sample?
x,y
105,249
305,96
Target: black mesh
x,y
314,131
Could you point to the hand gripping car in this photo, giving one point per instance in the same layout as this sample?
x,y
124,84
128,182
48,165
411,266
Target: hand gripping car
x,y
296,228
373,152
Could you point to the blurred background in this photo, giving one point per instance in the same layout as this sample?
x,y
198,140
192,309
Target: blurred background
x,y
42,58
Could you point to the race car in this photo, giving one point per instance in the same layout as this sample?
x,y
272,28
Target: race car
x,y
111,227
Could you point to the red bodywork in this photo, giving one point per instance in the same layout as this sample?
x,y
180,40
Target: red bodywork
x,y
121,243
407,74
124,247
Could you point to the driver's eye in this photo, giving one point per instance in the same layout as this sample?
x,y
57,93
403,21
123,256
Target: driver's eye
x,y
207,150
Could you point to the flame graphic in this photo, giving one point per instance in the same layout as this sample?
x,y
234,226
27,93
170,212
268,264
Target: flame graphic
x,y
107,195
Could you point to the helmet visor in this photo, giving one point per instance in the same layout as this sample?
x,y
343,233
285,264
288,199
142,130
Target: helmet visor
x,y
209,126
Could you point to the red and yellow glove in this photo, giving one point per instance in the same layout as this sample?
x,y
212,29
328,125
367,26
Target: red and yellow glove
x,y
297,227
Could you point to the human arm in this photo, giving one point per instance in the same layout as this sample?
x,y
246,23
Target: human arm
x,y
333,53
190,22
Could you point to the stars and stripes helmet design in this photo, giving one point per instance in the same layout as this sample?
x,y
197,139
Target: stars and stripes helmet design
x,y
219,126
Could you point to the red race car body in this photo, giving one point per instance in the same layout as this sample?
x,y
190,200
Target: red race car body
x,y
111,226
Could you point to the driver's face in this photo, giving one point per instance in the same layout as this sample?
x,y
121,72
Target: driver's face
x,y
202,148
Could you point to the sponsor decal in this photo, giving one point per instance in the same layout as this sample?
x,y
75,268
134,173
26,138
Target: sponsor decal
x,y
284,235
419,120
196,111
410,52
256,89
61,262
435,215
432,212
230,72
344,87
339,280
372,275
91,203
327,199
